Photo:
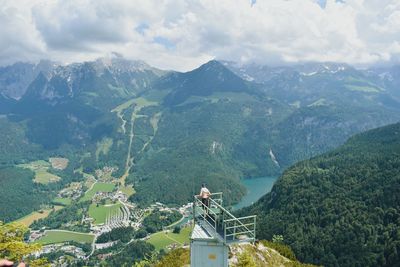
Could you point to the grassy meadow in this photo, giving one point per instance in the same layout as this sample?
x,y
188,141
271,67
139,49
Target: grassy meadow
x,y
40,168
97,187
59,236
62,201
128,190
101,212
161,240
36,215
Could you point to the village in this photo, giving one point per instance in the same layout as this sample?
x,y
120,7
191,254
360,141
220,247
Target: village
x,y
127,215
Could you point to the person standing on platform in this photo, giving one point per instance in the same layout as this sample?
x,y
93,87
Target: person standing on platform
x,y
205,198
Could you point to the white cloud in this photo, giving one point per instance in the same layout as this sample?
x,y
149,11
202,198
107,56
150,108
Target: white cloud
x,y
179,34
19,39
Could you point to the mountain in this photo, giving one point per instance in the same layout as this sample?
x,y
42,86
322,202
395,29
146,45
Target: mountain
x,y
325,98
340,208
204,117
204,81
388,76
264,73
321,83
171,131
75,100
102,83
243,129
15,79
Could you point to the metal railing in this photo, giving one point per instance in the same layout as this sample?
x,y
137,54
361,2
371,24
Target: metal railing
x,y
223,224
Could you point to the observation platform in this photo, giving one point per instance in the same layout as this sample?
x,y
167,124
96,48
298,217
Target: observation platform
x,y
215,223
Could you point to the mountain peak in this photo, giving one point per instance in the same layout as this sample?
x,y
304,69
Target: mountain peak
x,y
209,78
122,63
212,65
213,68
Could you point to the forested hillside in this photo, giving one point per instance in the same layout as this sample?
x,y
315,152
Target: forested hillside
x,y
340,208
19,194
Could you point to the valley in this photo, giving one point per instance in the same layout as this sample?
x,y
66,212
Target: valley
x,y
118,119
102,196
123,159
103,208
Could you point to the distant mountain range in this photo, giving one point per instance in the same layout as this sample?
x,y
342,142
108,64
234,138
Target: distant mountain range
x,y
215,124
15,79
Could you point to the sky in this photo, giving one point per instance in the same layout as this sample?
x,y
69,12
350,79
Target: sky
x,y
181,35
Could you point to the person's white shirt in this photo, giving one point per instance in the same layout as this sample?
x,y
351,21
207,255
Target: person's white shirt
x,y
204,192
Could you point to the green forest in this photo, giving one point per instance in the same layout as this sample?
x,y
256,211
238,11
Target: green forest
x,y
68,218
124,234
19,194
130,254
159,219
340,208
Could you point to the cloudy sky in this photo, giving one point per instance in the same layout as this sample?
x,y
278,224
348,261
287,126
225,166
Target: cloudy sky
x,y
179,34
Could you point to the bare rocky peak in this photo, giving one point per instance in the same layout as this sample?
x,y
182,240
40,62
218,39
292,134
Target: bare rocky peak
x,y
15,79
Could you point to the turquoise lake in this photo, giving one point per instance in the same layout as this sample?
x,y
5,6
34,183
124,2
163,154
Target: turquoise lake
x,y
256,188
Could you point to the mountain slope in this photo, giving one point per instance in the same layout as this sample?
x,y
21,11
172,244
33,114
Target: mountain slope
x,y
323,83
103,83
75,100
208,115
389,77
340,208
329,103
15,79
6,104
262,253
232,128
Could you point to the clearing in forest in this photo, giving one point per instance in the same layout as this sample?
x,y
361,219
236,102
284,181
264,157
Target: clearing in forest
x,y
36,215
161,240
59,163
138,104
97,187
40,168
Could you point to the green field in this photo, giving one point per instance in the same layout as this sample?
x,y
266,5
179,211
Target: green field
x,y
36,215
41,167
62,201
44,177
140,102
123,106
127,190
161,240
100,213
215,97
97,187
59,236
